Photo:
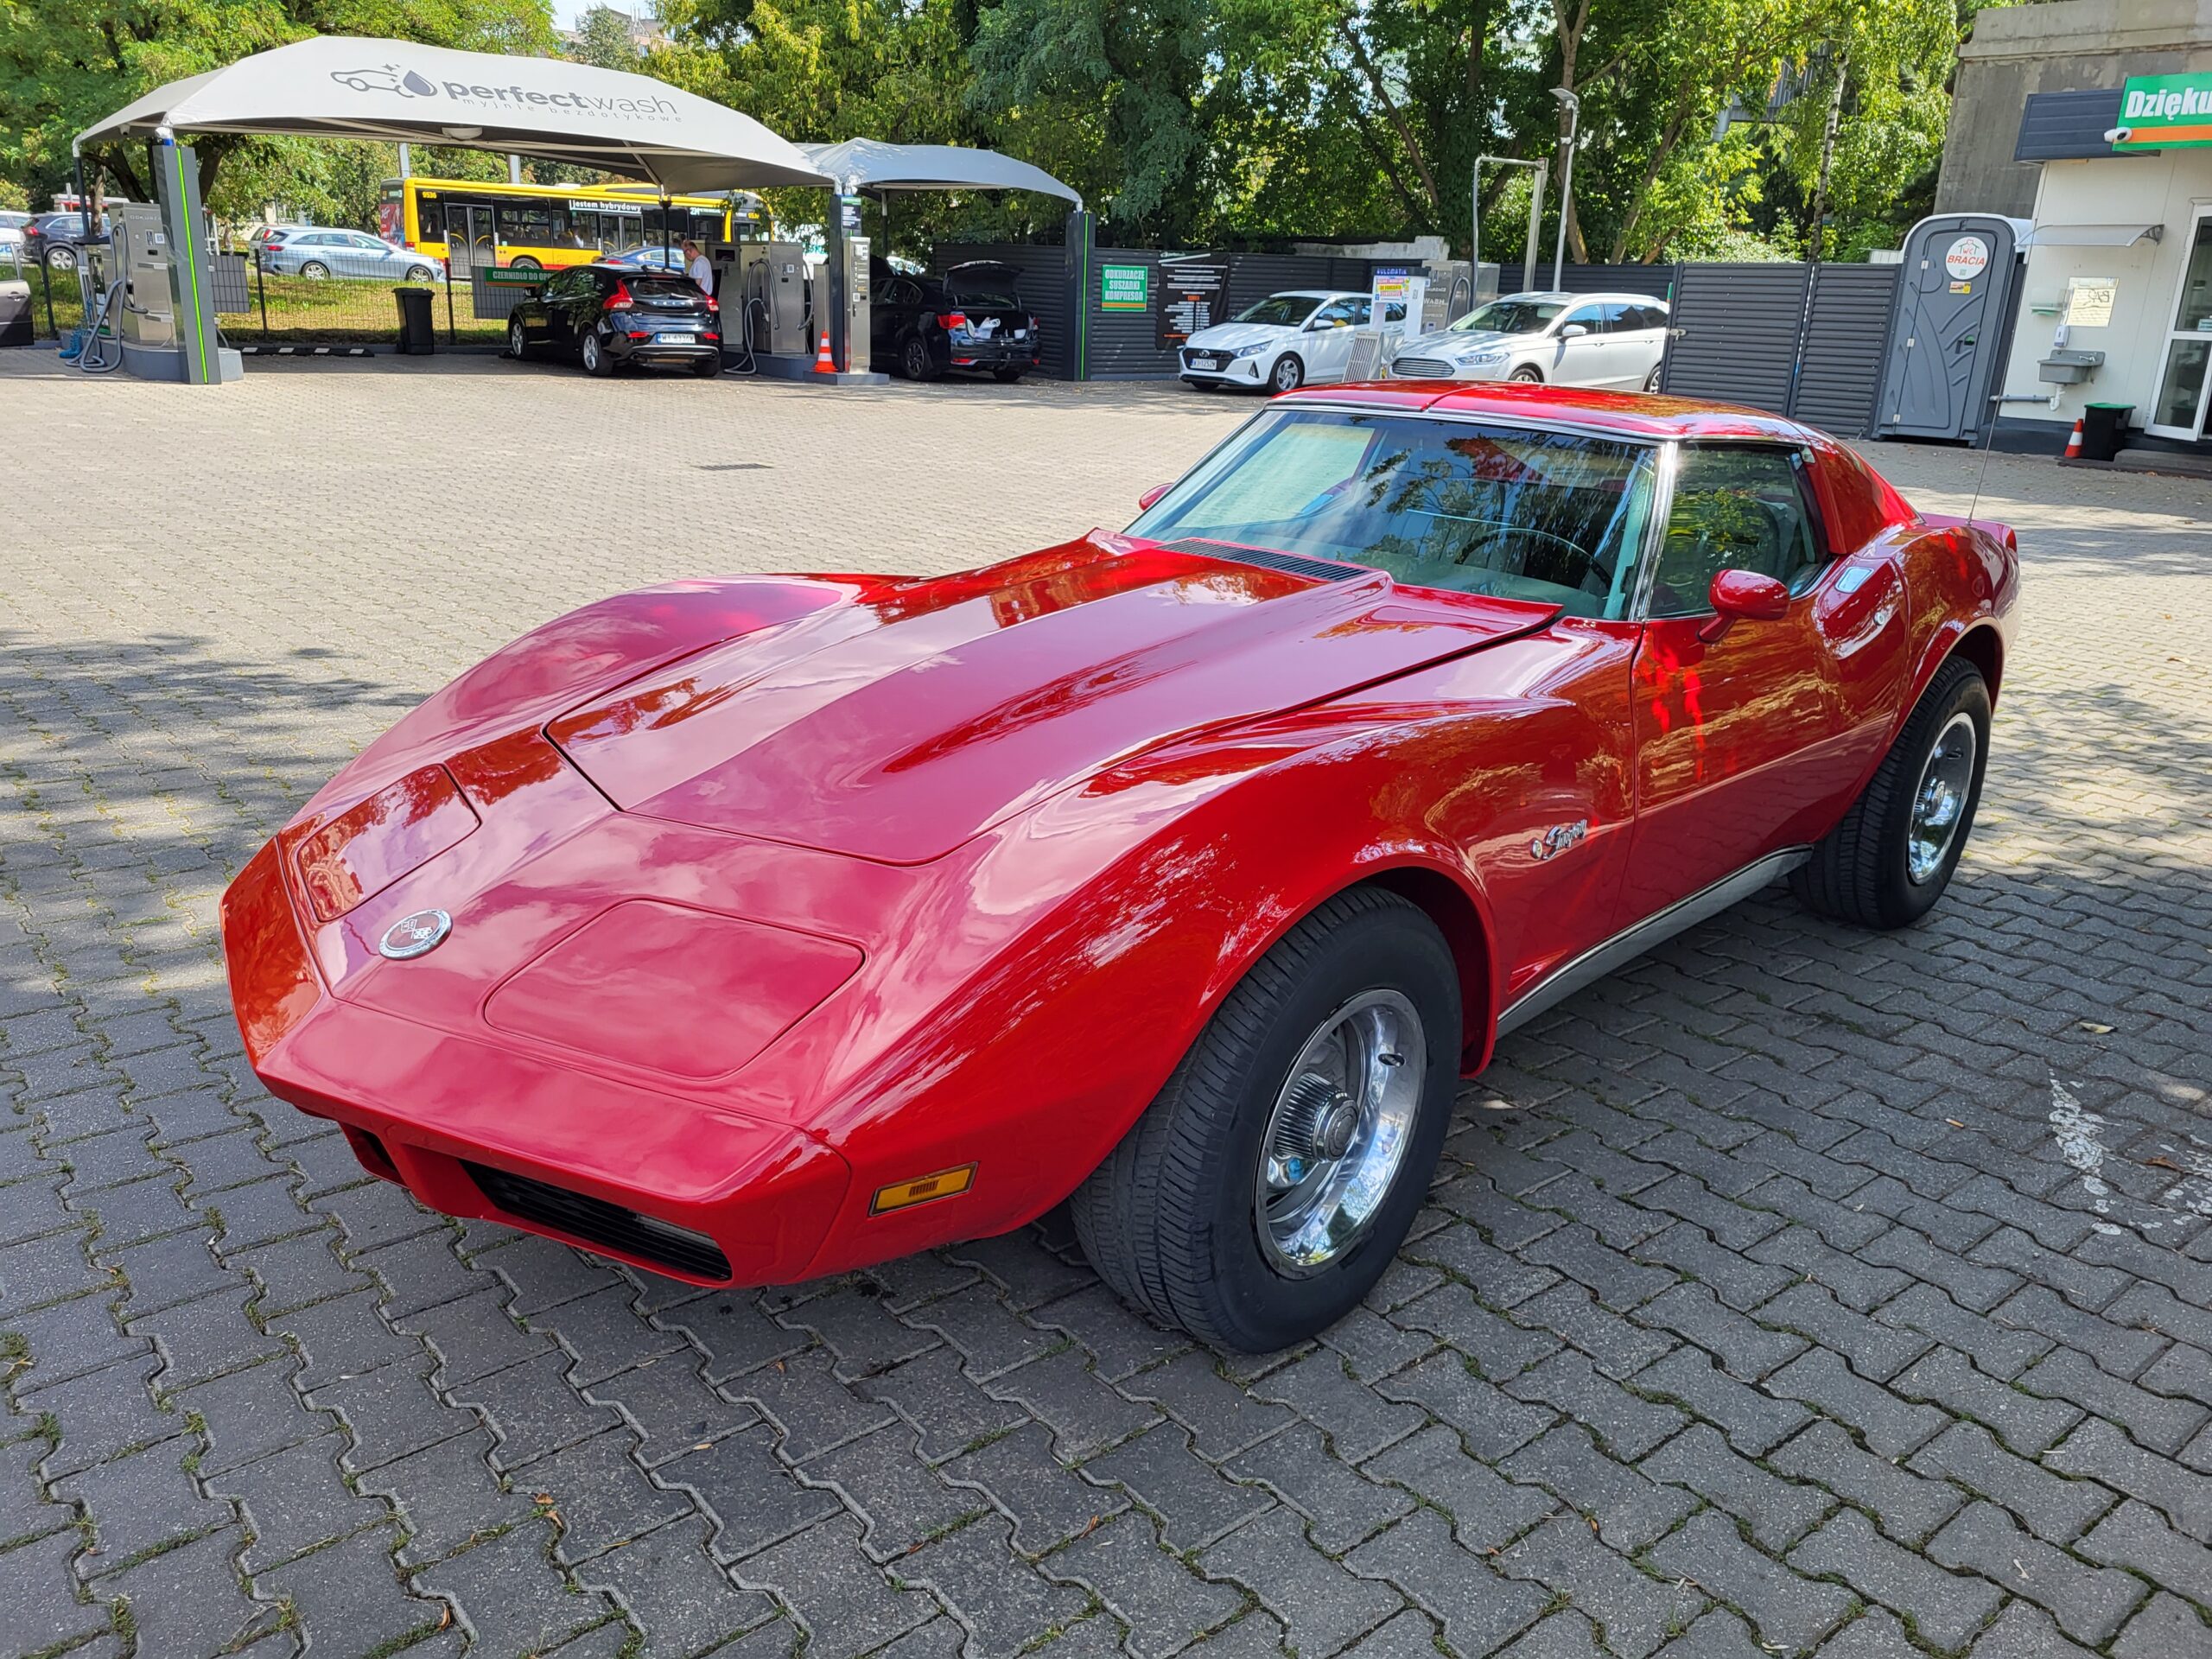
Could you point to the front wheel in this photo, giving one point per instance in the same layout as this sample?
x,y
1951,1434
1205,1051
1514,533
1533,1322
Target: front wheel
x,y
1527,374
1288,373
420,274
517,342
1269,1183
1890,859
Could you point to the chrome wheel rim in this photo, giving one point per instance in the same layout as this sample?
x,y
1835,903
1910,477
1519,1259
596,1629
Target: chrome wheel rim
x,y
1939,800
1338,1134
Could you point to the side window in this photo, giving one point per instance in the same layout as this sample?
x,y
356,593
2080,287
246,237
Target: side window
x,y
1734,509
1393,311
1590,316
1337,314
1362,312
1621,317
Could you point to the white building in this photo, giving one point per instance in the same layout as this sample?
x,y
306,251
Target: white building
x,y
2121,258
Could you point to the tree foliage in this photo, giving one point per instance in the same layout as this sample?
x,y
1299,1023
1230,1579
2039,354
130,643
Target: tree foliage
x,y
64,64
1184,122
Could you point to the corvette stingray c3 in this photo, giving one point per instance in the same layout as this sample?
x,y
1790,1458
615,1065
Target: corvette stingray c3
x,y
759,928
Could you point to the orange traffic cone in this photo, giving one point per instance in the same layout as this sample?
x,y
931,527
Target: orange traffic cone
x,y
2074,443
823,366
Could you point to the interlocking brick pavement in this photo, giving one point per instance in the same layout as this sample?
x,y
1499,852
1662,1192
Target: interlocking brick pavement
x,y
1794,1290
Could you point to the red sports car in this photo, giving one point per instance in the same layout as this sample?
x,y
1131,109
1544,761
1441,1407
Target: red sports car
x,y
758,928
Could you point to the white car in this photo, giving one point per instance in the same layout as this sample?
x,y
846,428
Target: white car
x,y
1563,339
1283,342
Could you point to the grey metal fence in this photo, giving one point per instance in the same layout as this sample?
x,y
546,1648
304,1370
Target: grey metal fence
x,y
1797,339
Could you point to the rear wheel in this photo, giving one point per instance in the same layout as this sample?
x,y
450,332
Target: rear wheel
x,y
707,368
1651,381
1288,373
596,360
524,262
914,359
1270,1183
61,258
315,270
1008,376
1889,861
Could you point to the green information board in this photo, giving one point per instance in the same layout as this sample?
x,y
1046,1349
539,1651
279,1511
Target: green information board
x,y
514,276
1124,288
2165,113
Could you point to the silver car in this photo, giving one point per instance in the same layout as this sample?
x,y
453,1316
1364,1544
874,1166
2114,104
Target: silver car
x,y
318,252
1563,339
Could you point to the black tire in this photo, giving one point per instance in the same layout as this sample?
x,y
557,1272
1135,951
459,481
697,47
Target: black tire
x,y
1008,376
421,274
914,359
596,359
315,270
1861,871
1169,1219
517,342
1529,372
1288,373
525,263
1651,381
708,368
61,258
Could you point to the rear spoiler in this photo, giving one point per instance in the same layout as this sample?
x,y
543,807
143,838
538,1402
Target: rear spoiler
x,y
2004,534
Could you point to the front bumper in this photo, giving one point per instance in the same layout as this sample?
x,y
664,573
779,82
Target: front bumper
x,y
475,1128
1228,372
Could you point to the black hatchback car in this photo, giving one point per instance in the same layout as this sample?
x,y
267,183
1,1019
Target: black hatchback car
x,y
970,318
611,317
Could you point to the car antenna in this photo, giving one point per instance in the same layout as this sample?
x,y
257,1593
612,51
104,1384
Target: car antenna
x,y
1988,439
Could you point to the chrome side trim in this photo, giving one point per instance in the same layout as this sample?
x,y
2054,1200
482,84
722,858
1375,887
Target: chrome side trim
x,y
1632,942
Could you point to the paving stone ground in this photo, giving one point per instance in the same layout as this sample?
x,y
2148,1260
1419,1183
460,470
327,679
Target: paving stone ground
x,y
1794,1290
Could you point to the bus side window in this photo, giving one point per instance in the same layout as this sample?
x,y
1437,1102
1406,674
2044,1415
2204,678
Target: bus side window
x,y
429,221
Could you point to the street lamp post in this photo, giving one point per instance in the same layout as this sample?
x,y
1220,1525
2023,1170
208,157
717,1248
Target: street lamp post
x,y
1573,108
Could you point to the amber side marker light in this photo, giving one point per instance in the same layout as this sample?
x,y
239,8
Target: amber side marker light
x,y
901,1194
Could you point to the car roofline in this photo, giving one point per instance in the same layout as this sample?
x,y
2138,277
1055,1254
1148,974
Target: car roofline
x,y
1642,416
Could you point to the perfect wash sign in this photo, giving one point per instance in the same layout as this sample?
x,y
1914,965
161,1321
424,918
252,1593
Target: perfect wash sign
x,y
2165,113
393,78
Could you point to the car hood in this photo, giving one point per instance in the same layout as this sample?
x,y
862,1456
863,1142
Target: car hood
x,y
1227,336
1446,342
905,717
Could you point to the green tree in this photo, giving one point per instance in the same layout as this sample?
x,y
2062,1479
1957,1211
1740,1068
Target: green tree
x,y
603,39
65,64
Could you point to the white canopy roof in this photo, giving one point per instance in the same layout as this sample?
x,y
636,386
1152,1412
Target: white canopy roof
x,y
872,164
333,86
2092,236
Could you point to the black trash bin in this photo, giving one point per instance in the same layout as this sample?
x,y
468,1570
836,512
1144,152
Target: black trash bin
x,y
416,337
2104,429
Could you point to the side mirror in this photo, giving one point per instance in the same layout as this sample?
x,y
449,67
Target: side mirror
x,y
1574,331
1145,501
1742,596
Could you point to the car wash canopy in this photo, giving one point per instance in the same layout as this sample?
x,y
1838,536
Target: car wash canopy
x,y
333,86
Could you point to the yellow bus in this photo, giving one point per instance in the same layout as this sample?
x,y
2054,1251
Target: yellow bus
x,y
473,223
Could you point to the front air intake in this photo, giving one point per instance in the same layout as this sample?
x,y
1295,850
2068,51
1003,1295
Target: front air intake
x,y
1291,564
597,1221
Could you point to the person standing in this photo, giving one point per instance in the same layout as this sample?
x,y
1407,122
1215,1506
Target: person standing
x,y
698,267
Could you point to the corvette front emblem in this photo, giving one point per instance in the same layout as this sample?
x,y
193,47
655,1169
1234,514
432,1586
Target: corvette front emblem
x,y
415,936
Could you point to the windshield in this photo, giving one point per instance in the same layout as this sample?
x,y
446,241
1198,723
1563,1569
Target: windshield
x,y
1510,316
1283,310
663,287
1513,511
